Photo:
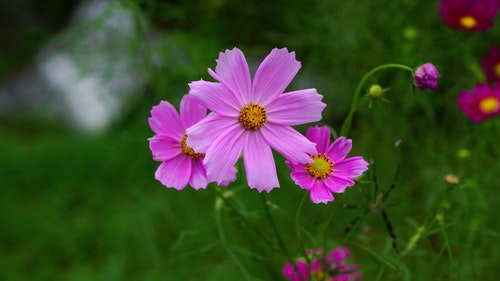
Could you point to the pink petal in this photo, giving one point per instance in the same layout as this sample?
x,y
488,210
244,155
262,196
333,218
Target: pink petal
x,y
337,184
224,152
259,163
289,143
216,97
202,134
164,148
232,70
175,172
303,179
191,111
198,175
320,136
320,194
295,108
229,177
273,75
339,149
351,167
164,120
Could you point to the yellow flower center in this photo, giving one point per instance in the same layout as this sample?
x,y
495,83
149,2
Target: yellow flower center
x,y
496,69
489,104
321,167
468,22
188,150
253,116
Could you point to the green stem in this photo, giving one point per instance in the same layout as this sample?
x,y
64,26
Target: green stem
x,y
245,219
299,235
346,126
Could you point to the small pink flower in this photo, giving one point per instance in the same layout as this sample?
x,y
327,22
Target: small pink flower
x,y
477,15
425,77
329,267
330,170
250,118
180,164
491,64
483,103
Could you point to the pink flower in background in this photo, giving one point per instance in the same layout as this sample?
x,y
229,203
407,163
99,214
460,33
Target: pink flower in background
x,y
484,102
425,77
477,15
180,163
329,267
491,64
330,170
250,117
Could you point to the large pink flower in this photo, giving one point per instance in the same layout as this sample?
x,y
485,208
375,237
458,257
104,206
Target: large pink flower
x,y
484,102
251,117
330,170
180,163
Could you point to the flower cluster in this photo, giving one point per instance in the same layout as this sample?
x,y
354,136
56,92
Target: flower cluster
x,y
326,267
249,117
470,15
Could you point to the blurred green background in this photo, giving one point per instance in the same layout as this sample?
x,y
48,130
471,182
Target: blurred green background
x,y
84,205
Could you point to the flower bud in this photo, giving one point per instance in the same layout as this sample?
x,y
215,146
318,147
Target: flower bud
x,y
375,91
425,77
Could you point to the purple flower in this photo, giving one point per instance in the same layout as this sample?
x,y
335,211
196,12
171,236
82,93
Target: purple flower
x,y
484,102
251,117
330,170
329,267
475,15
180,163
491,64
425,77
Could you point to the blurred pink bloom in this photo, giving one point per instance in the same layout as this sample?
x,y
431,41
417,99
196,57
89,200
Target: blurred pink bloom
x,y
251,117
491,64
330,170
425,77
180,163
470,15
329,267
484,102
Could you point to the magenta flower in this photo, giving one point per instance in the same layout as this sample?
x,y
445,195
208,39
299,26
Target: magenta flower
x,y
469,15
330,170
491,64
250,117
329,267
180,163
484,102
425,77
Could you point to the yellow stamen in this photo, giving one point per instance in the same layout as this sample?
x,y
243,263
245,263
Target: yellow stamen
x,y
496,69
320,276
321,167
188,150
489,104
468,22
253,116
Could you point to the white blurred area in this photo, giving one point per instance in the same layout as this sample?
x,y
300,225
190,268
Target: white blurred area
x,y
84,74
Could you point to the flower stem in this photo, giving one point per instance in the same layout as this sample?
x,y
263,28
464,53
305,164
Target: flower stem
x,y
346,126
299,235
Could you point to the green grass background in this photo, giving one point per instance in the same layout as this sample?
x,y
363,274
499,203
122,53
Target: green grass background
x,y
79,207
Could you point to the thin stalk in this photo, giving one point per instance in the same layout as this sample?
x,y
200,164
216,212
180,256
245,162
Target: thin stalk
x,y
299,235
346,126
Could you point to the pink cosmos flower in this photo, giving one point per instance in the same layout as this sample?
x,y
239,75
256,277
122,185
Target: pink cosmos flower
x,y
251,117
491,64
484,102
469,15
425,77
180,163
330,170
329,267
